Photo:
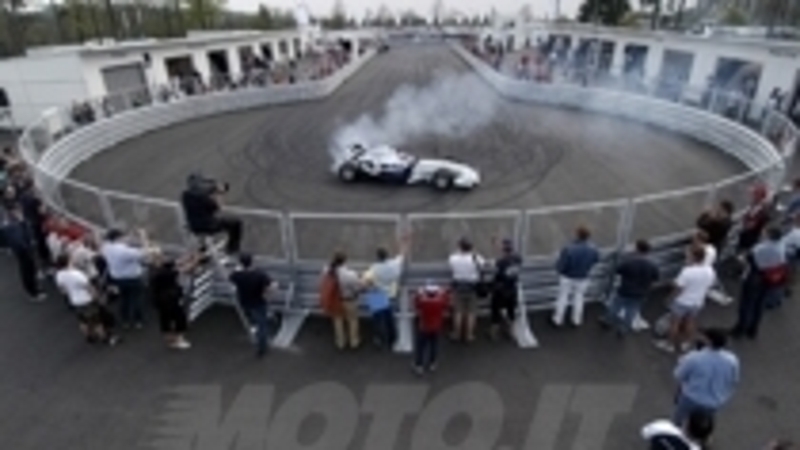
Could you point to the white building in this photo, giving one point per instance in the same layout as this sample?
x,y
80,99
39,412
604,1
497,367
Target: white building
x,y
694,60
57,76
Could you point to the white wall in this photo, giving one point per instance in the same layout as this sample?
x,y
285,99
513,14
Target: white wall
x,y
35,84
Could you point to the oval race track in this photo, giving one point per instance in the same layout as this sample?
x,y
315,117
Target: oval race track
x,y
529,156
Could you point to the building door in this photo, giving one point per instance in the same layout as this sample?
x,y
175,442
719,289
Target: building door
x,y
126,86
125,78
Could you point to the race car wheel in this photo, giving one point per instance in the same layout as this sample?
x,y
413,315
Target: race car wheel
x,y
348,173
442,180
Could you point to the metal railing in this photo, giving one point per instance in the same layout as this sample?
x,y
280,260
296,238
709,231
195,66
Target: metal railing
x,y
763,139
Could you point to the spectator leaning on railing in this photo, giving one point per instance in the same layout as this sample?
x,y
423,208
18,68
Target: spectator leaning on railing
x,y
126,272
575,263
339,289
762,286
465,271
253,287
504,289
690,289
637,274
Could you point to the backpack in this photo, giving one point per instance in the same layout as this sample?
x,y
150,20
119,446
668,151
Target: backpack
x,y
330,295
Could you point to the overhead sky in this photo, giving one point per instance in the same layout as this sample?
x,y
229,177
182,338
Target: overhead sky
x,y
357,8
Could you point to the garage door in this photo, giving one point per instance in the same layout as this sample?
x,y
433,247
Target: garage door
x,y
127,78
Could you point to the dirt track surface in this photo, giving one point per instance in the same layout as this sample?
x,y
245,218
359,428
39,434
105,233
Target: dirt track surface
x,y
529,156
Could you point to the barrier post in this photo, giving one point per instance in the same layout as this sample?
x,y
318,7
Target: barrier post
x,y
105,208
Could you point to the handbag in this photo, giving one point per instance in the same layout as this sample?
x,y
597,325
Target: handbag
x,y
482,287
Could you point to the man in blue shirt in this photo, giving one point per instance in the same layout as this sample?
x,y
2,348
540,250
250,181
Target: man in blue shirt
x,y
706,377
574,265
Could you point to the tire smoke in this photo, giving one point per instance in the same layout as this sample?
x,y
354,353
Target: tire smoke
x,y
451,106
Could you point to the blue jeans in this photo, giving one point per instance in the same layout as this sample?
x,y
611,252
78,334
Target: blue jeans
x,y
383,327
684,407
427,349
131,293
257,315
627,307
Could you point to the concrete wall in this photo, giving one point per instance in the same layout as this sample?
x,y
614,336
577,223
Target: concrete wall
x,y
35,84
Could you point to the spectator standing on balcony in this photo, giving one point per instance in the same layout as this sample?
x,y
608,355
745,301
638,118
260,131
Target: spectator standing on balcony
x,y
637,273
755,219
504,290
465,270
339,291
717,224
763,283
84,301
793,206
574,265
168,297
36,215
430,303
18,237
707,377
253,287
381,282
690,289
126,271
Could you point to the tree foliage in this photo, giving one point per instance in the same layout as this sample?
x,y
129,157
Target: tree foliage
x,y
604,12
734,17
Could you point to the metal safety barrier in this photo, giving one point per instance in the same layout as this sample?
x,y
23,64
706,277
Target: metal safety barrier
x,y
761,138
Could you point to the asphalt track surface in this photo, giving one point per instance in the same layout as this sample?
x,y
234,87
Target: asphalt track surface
x,y
529,157
58,392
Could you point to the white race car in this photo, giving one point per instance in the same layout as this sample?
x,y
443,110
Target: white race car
x,y
387,164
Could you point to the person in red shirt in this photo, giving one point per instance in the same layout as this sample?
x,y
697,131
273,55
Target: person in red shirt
x,y
431,303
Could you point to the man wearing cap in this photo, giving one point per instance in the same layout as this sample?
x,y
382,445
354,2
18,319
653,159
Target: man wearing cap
x,y
252,288
430,302
504,289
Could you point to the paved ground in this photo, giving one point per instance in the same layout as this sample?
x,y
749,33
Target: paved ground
x,y
60,393
529,156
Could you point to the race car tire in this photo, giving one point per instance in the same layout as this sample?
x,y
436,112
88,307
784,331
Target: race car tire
x,y
348,173
442,180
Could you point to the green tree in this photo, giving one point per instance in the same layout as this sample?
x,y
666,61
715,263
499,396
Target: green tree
x,y
734,17
204,14
604,12
338,17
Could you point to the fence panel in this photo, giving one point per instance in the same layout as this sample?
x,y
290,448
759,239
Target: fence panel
x,y
159,218
434,236
548,229
670,213
317,236
263,232
82,201
738,189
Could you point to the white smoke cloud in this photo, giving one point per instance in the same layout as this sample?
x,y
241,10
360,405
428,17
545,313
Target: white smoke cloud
x,y
452,105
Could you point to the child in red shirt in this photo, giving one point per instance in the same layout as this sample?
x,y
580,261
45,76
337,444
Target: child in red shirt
x,y
431,303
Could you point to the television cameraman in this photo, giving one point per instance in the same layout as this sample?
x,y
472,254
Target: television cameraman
x,y
201,203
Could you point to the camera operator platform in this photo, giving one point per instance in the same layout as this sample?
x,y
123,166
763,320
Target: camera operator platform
x,y
201,202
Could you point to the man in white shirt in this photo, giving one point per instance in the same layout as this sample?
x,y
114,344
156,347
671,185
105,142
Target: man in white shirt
x,y
465,269
82,298
126,269
690,290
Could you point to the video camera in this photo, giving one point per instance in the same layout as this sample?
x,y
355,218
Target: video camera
x,y
198,184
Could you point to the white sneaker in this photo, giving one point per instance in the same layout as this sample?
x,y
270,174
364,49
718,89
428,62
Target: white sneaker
x,y
39,298
720,297
665,346
639,324
182,344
